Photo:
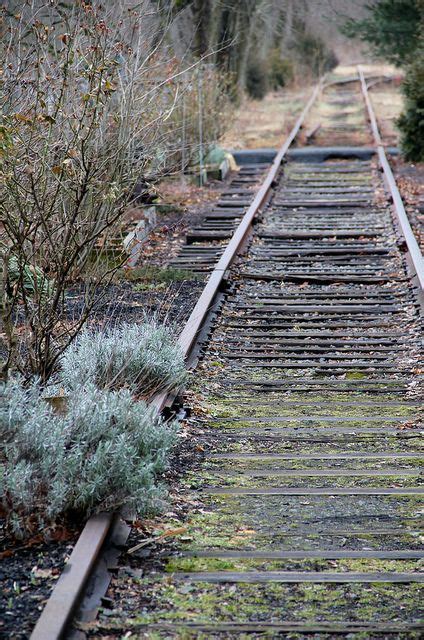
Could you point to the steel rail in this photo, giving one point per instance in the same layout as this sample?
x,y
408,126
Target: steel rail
x,y
399,208
64,598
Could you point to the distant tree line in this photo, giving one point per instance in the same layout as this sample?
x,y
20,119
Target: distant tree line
x,y
260,45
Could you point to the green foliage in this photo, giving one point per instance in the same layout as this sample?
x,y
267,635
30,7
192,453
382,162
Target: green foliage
x,y
104,452
141,357
392,29
257,79
411,122
395,31
150,274
281,71
31,279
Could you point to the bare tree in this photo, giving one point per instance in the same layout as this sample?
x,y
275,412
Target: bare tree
x,y
80,119
94,102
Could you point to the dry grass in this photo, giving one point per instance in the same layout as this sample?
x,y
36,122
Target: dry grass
x,y
386,97
387,101
372,69
265,123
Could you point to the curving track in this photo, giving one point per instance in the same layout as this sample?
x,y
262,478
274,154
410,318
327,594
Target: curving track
x,y
309,489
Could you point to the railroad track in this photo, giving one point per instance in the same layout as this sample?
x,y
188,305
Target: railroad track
x,y
310,482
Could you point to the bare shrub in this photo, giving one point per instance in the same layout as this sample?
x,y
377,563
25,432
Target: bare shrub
x,y
200,117
95,108
79,128
104,452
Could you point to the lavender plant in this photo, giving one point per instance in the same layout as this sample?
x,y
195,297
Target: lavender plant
x,y
104,452
144,358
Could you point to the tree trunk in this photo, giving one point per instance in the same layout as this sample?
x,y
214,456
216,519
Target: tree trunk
x,y
202,22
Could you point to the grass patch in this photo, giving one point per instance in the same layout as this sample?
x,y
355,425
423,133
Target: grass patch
x,y
149,276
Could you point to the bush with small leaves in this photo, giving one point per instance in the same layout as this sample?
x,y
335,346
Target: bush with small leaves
x,y
141,357
103,452
281,70
257,79
313,54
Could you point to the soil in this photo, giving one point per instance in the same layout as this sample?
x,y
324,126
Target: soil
x,y
28,573
125,303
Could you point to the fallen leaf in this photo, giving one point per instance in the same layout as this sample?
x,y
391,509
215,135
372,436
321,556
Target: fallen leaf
x,y
42,573
165,534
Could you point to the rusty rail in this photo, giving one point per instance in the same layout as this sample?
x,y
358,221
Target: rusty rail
x,y
63,600
417,258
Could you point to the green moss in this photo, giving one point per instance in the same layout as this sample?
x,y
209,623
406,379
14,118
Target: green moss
x,y
313,422
245,480
151,274
179,602
222,465
362,565
234,408
369,443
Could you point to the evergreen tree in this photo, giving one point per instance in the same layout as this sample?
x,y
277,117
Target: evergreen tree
x,y
392,29
411,122
395,31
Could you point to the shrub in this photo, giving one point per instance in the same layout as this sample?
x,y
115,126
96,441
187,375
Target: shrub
x,y
204,103
411,122
281,71
77,108
257,79
141,357
94,110
104,452
314,54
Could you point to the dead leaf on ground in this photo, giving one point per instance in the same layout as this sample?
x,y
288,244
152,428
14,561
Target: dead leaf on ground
x,y
166,534
37,572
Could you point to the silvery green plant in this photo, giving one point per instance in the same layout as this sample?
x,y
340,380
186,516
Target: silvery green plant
x,y
144,358
105,451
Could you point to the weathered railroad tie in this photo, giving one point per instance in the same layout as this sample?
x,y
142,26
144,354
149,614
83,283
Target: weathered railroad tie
x,y
205,243
309,518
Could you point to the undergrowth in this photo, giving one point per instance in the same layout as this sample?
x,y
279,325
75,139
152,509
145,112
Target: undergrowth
x,y
150,274
103,452
88,443
141,357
